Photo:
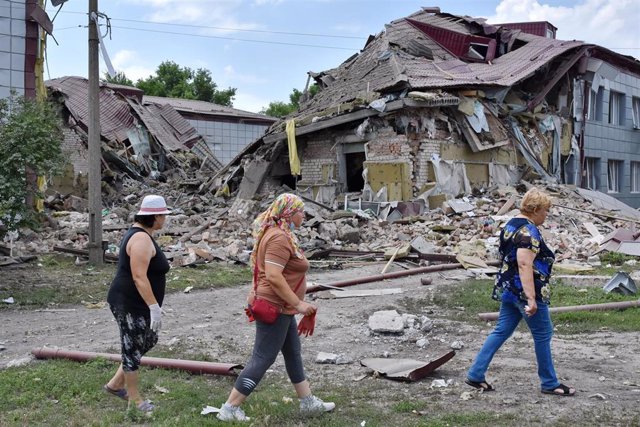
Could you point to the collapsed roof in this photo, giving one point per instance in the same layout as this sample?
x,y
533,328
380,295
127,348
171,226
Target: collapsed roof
x,y
138,139
431,60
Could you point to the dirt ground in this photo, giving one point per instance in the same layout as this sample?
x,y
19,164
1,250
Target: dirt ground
x,y
603,366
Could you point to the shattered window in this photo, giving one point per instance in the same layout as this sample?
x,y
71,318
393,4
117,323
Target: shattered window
x,y
614,175
635,177
592,170
636,112
616,108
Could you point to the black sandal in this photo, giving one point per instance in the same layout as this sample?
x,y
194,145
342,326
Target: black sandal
x,y
564,391
483,385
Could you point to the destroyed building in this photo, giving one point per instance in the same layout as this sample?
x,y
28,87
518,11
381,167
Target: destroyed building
x,y
138,139
438,105
226,130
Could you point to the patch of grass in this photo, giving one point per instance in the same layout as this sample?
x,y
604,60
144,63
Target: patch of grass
x,y
616,258
469,298
207,276
61,392
56,280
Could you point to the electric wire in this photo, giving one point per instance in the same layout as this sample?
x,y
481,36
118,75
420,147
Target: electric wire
x,y
231,29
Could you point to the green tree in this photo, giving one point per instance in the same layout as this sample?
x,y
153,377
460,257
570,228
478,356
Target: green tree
x,y
172,80
120,78
30,141
283,109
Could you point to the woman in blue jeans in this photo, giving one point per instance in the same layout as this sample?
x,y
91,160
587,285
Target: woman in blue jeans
x,y
522,287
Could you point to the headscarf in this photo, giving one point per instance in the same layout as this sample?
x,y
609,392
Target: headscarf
x,y
278,214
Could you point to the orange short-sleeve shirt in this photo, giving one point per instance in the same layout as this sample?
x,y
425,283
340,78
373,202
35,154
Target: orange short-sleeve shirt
x,y
276,249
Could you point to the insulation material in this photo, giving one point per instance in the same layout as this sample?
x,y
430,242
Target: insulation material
x,y
450,176
553,124
395,177
527,150
477,120
503,174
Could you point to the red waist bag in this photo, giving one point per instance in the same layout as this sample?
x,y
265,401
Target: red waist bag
x,y
261,309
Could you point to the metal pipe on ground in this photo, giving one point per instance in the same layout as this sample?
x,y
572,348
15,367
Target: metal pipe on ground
x,y
393,275
193,366
588,307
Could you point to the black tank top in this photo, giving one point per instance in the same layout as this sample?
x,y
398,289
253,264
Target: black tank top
x,y
123,293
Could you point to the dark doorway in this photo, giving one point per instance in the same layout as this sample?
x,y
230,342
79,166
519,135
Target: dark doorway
x,y
289,180
354,164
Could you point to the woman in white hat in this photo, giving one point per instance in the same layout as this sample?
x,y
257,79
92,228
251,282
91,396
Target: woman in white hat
x,y
135,298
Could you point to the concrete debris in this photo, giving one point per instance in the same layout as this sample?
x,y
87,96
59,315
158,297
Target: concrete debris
x,y
331,358
387,321
441,383
457,345
206,228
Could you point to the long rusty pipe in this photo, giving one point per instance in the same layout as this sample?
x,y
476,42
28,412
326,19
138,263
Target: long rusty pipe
x,y
395,274
193,366
588,307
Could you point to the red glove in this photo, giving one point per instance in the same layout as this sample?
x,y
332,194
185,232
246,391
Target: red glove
x,y
306,325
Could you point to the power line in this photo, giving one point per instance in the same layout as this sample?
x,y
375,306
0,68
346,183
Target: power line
x,y
247,30
234,38
231,29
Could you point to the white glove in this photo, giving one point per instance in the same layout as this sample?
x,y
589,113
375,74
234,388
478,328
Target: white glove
x,y
156,317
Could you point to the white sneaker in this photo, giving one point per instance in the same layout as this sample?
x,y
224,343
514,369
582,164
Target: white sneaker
x,y
231,413
312,405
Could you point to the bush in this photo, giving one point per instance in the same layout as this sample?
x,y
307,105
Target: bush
x,y
30,144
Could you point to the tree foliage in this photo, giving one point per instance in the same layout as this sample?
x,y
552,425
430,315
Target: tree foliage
x,y
172,80
120,78
283,109
30,142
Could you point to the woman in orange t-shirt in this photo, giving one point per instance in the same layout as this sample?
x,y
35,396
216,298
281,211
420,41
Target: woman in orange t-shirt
x,y
280,268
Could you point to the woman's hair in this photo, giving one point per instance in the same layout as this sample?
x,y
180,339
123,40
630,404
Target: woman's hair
x,y
533,200
146,220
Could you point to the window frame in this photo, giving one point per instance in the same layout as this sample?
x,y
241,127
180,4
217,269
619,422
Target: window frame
x,y
616,108
634,177
614,175
635,110
592,171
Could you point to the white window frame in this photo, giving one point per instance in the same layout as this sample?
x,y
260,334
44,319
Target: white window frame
x,y
635,107
616,108
591,176
614,172
594,104
635,177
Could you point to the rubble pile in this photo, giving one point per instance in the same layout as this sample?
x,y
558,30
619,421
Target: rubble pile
x,y
206,228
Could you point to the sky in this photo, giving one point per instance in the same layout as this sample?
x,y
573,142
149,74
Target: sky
x,y
264,48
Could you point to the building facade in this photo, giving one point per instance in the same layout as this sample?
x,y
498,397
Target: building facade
x,y
23,24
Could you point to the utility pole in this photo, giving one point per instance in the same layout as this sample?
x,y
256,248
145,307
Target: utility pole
x,y
96,254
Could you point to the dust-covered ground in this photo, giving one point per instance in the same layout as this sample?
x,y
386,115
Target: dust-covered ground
x,y
603,366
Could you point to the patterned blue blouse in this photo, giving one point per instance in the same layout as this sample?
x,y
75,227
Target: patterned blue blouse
x,y
522,233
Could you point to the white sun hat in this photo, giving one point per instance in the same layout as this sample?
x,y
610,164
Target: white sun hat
x,y
153,205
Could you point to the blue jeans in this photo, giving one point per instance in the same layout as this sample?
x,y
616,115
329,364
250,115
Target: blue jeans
x,y
541,329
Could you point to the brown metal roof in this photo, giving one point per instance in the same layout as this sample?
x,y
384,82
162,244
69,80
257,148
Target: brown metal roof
x,y
208,108
389,63
115,115
120,114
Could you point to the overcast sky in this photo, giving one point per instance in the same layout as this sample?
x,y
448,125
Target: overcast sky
x,y
265,48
